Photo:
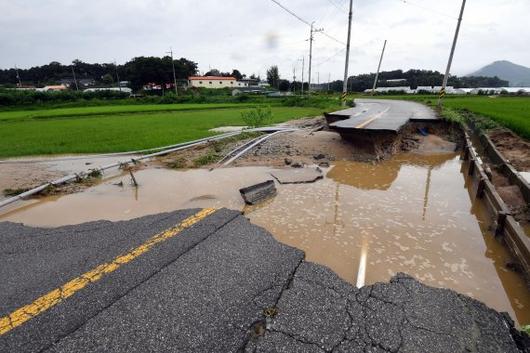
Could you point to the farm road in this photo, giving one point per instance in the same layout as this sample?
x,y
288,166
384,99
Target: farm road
x,y
210,281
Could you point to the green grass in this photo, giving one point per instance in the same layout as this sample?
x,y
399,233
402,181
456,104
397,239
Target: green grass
x,y
110,110
510,112
120,128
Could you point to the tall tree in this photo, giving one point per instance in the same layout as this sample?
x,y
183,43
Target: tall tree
x,y
213,72
235,73
273,76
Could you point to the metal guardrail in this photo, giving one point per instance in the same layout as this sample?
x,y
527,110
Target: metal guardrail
x,y
164,151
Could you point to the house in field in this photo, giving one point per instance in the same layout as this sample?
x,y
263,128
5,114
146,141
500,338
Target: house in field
x,y
215,82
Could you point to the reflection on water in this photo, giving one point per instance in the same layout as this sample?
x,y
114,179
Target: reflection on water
x,y
410,214
367,222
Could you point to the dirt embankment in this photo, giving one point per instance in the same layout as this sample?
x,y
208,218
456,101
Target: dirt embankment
x,y
517,152
513,147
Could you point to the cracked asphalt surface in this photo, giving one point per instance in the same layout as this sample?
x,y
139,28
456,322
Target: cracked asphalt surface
x,y
381,115
222,285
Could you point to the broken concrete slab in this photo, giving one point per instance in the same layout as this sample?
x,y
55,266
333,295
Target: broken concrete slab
x,y
258,193
319,312
297,175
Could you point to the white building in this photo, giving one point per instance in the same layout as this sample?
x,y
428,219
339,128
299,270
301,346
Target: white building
x,y
404,89
215,82
115,89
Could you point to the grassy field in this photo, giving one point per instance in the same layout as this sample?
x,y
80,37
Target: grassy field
x,y
120,128
511,112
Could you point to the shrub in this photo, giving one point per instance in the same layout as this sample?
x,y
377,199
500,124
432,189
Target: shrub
x,y
257,117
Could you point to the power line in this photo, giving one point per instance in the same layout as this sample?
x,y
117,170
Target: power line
x,y
311,35
306,22
291,12
333,38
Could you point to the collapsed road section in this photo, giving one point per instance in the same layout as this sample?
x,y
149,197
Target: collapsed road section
x,y
375,124
210,281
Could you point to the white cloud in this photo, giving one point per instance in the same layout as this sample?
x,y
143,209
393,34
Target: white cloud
x,y
251,35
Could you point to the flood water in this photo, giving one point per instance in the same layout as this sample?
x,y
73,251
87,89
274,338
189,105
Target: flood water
x,y
367,222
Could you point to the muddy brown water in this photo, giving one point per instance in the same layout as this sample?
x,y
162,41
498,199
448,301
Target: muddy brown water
x,y
409,214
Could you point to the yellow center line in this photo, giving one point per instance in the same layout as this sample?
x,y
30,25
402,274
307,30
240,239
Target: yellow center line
x,y
47,301
367,122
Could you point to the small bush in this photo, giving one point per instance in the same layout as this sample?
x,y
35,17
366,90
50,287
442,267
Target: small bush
x,y
257,117
209,158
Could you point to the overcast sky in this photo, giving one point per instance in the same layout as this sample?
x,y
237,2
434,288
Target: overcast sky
x,y
251,35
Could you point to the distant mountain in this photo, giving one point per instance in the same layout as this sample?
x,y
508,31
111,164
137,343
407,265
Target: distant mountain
x,y
517,75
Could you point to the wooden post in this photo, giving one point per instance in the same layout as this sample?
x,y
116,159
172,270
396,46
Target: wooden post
x,y
133,178
480,188
472,163
501,222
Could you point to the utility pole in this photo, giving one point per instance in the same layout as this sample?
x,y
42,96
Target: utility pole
x,y
310,54
294,79
447,71
345,83
18,77
117,77
378,68
173,66
75,80
311,39
303,69
329,80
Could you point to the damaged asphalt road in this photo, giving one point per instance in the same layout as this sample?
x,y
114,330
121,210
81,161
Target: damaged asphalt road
x,y
220,285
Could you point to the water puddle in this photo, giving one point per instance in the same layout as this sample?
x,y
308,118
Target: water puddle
x,y
160,190
410,214
367,222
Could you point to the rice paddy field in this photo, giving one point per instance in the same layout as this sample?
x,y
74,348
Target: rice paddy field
x,y
104,129
118,128
510,112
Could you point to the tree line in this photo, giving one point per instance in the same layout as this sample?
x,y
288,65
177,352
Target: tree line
x,y
413,79
142,70
138,71
410,78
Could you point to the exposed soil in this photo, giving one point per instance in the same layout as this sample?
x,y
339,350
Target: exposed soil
x,y
517,151
511,195
302,148
513,147
317,145
16,178
204,155
437,137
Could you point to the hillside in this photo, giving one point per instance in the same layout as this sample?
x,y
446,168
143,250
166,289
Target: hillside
x,y
517,75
